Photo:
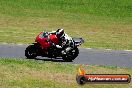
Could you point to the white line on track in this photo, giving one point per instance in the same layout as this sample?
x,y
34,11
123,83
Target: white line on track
x,y
16,32
108,49
18,44
128,50
15,36
89,48
4,43
21,44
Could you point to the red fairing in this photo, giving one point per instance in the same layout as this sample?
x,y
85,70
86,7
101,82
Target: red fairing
x,y
54,38
43,40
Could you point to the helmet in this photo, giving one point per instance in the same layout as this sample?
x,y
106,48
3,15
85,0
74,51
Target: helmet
x,y
60,33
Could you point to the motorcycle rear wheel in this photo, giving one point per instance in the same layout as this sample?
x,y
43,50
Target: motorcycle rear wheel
x,y
70,56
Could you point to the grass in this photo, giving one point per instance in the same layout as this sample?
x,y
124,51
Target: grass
x,y
102,23
22,73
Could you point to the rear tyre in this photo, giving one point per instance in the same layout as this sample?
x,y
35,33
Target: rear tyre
x,y
31,52
71,55
75,53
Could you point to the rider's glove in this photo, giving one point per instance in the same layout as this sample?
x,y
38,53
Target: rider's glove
x,y
58,46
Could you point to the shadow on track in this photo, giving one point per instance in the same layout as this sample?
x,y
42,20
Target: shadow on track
x,y
50,59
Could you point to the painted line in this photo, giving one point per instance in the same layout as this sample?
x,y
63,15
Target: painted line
x,y
18,44
108,49
128,50
15,36
16,32
4,43
21,44
89,48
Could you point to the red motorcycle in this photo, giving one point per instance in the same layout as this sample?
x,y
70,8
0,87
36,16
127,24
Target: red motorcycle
x,y
45,46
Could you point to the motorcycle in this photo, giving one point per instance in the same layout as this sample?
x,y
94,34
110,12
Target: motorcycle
x,y
44,47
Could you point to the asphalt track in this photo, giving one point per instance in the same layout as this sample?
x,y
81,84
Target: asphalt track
x,y
86,56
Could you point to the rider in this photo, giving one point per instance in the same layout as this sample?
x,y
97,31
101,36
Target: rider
x,y
64,40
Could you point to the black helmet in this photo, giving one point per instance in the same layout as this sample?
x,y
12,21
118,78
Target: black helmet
x,y
60,33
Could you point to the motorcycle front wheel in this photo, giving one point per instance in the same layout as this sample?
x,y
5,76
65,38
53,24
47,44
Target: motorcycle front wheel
x,y
31,52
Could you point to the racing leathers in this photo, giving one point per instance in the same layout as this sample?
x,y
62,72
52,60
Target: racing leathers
x,y
65,42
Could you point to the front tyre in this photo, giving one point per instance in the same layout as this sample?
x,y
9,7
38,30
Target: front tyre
x,y
71,55
31,52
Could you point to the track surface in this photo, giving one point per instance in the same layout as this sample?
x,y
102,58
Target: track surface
x,y
86,56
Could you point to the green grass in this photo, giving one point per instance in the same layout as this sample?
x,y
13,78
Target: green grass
x,y
102,23
22,73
